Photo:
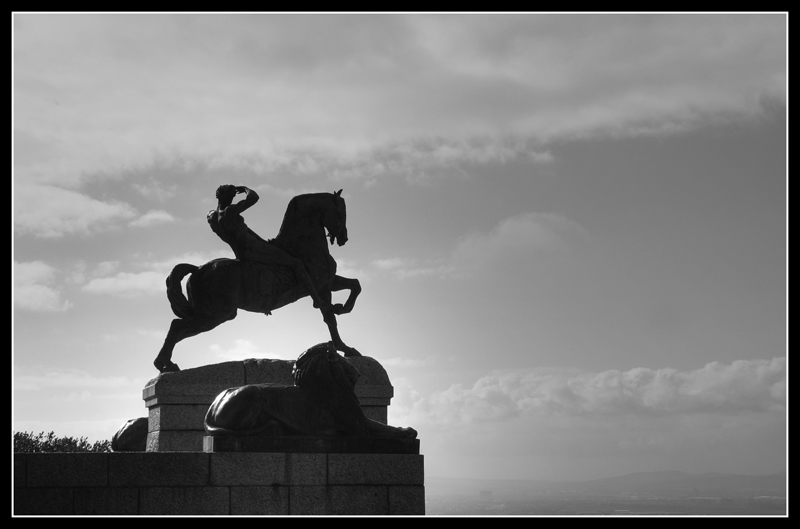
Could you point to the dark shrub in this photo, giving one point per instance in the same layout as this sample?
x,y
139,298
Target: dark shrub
x,y
42,442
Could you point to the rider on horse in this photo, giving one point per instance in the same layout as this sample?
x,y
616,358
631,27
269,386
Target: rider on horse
x,y
227,222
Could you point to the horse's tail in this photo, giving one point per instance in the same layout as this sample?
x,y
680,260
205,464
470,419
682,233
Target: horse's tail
x,y
180,305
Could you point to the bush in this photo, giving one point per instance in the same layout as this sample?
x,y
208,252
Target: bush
x,y
29,442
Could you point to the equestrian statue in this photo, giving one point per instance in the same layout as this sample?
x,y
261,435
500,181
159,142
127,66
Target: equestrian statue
x,y
266,274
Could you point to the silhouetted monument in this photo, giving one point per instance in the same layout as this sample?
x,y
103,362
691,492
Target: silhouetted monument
x,y
257,436
266,275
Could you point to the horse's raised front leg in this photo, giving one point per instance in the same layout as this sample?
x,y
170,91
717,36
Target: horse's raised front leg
x,y
180,329
343,283
330,320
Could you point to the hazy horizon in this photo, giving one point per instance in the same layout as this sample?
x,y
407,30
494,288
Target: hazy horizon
x,y
570,230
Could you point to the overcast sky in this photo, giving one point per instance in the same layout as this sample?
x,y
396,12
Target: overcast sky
x,y
570,230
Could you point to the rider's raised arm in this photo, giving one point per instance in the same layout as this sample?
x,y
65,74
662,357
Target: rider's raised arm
x,y
251,197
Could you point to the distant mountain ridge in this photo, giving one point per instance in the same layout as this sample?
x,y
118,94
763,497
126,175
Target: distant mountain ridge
x,y
657,482
716,482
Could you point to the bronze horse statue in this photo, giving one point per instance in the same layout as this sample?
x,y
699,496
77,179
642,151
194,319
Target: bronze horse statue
x,y
218,288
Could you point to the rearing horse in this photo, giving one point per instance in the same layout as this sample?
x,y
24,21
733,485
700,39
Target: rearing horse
x,y
218,288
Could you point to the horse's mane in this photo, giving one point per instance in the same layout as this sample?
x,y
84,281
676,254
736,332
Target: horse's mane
x,y
289,214
292,210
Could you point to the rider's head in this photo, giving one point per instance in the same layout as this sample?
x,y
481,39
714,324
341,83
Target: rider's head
x,y
225,194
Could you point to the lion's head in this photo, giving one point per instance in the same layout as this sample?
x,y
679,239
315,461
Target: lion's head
x,y
329,380
310,362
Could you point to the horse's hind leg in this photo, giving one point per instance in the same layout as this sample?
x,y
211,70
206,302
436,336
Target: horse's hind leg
x,y
181,329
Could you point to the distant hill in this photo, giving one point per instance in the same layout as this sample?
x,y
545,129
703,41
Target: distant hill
x,y
640,493
706,484
662,483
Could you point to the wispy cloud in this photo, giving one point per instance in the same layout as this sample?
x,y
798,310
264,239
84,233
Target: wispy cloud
x,y
408,268
526,239
151,218
47,211
34,288
127,284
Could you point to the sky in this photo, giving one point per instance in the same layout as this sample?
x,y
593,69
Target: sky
x,y
570,229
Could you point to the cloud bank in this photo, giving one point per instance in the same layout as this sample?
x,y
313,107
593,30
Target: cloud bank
x,y
368,95
741,387
562,424
49,212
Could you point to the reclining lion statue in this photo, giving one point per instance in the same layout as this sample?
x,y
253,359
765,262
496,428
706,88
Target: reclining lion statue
x,y
321,403
131,437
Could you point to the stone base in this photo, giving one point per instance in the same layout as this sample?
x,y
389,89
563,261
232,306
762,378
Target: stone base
x,y
310,445
177,402
197,483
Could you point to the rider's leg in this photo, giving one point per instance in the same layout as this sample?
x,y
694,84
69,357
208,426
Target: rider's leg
x,y
301,275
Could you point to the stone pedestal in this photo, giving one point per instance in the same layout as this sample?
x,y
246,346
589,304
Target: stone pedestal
x,y
177,402
218,484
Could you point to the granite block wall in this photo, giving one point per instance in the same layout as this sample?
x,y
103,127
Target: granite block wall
x,y
180,483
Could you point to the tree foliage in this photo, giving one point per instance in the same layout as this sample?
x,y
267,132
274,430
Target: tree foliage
x,y
42,442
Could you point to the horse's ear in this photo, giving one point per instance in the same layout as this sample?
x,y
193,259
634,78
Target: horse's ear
x,y
338,193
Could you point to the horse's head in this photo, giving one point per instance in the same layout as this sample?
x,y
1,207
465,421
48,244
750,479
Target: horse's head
x,y
335,219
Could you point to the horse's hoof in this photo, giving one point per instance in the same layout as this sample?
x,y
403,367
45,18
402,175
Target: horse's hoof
x,y
166,367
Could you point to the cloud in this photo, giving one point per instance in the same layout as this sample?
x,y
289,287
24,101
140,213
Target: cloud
x,y
33,291
525,238
151,218
365,96
48,212
740,387
350,269
106,267
154,189
561,423
127,284
543,233
406,268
